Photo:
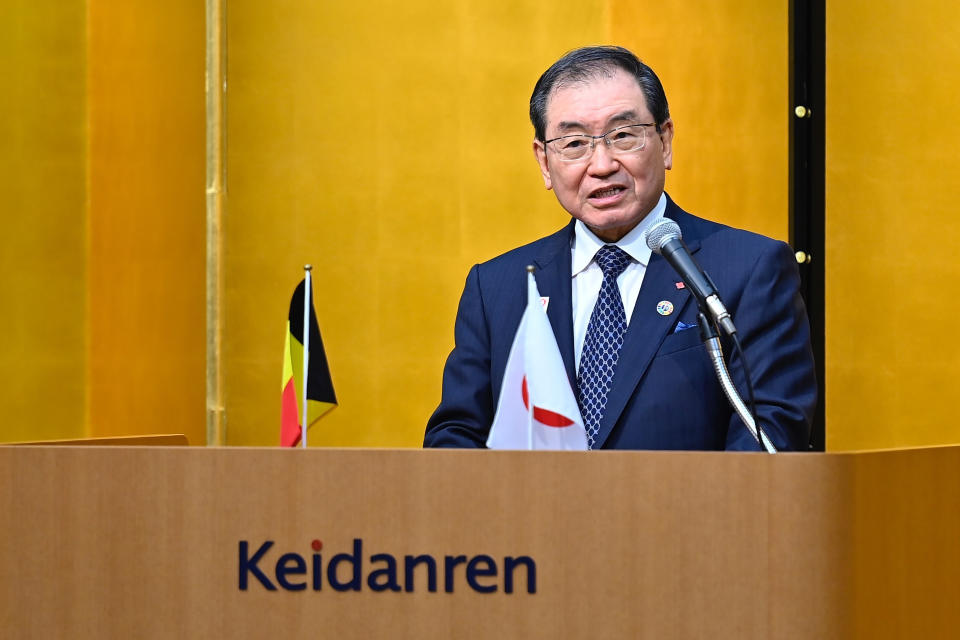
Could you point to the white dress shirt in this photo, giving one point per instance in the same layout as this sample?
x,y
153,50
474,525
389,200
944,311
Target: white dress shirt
x,y
587,276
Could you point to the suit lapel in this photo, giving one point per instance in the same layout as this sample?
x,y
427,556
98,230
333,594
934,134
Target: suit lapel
x,y
647,327
554,279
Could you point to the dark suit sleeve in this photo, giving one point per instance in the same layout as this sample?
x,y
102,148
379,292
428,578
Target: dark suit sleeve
x,y
775,334
466,407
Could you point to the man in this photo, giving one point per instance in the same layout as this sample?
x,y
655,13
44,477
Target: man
x,y
624,322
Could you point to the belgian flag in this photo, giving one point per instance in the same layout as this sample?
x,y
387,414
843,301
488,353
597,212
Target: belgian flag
x,y
320,395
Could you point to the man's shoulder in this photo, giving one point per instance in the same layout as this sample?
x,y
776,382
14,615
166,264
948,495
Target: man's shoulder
x,y
709,233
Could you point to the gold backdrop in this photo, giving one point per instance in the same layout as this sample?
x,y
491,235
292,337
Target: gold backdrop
x,y
892,229
43,244
388,145
102,246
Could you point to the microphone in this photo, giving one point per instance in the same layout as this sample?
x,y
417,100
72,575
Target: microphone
x,y
665,239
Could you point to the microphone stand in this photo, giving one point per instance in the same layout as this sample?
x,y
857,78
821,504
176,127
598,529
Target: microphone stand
x,y
711,341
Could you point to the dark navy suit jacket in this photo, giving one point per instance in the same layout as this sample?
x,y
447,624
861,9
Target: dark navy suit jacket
x,y
665,394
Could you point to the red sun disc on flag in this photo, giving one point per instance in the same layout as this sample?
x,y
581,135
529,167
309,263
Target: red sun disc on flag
x,y
544,416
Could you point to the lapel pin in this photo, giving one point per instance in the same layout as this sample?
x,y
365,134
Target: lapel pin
x,y
680,285
664,307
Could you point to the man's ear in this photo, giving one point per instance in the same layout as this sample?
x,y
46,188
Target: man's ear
x,y
666,139
540,152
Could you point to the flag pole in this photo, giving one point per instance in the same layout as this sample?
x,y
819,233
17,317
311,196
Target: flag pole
x,y
531,285
307,294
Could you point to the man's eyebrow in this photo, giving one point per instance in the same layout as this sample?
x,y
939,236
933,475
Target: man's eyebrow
x,y
567,126
624,116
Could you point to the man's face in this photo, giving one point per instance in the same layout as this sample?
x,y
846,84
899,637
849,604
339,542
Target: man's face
x,y
610,192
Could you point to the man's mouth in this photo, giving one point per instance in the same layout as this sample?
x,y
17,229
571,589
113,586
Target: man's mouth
x,y
606,192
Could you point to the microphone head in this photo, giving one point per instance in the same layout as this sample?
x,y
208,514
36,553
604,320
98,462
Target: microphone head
x,y
661,233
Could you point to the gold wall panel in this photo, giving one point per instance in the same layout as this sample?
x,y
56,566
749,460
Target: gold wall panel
x,y
43,237
101,255
390,151
891,193
725,70
147,223
388,145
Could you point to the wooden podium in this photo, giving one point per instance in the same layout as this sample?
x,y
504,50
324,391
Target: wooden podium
x,y
163,542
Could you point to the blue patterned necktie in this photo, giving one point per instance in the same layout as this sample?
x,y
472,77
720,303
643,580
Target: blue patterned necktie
x,y
601,347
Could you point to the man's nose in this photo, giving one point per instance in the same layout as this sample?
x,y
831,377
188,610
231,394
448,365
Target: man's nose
x,y
602,161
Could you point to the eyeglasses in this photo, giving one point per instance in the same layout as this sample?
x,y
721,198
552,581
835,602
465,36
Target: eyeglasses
x,y
631,137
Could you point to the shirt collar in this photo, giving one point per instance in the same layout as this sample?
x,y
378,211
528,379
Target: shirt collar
x,y
586,244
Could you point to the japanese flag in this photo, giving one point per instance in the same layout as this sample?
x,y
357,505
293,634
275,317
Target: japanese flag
x,y
537,408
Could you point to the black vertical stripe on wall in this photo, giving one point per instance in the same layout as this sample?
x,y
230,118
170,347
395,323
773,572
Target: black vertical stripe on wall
x,y
807,117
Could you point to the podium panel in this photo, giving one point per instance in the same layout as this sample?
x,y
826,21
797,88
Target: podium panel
x,y
179,542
